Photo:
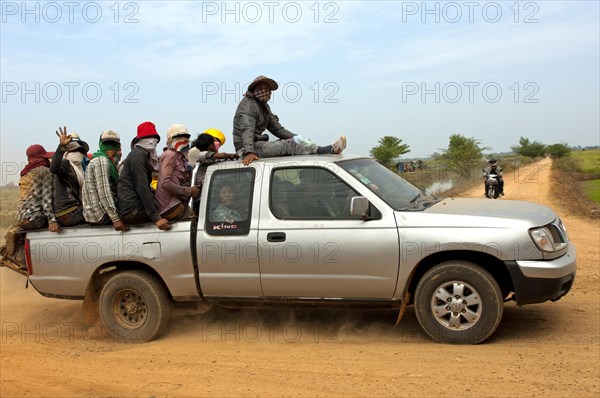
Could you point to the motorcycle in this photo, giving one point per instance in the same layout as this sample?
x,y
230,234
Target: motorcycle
x,y
491,185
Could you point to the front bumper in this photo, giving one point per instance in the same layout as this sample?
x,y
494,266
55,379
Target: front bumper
x,y
539,281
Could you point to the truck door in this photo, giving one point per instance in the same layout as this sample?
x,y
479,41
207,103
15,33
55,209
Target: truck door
x,y
310,247
227,235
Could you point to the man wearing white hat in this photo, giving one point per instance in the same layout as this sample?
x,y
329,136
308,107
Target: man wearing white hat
x,y
173,187
99,191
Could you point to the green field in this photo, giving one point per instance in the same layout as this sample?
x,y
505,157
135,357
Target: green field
x,y
592,189
589,160
589,163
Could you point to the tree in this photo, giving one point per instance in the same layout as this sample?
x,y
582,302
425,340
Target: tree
x,y
389,148
462,154
530,149
558,150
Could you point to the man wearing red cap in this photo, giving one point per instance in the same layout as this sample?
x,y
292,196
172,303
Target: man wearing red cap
x,y
253,116
135,199
34,210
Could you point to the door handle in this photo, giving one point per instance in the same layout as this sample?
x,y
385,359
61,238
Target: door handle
x,y
276,237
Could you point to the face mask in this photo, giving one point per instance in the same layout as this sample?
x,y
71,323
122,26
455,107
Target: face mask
x,y
75,157
148,144
217,145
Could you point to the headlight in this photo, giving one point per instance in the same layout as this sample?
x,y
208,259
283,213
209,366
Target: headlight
x,y
549,238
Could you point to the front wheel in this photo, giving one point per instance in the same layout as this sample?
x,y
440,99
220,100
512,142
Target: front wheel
x,y
458,302
134,307
491,191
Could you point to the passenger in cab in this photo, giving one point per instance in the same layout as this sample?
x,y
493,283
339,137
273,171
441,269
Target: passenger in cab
x,y
99,194
226,210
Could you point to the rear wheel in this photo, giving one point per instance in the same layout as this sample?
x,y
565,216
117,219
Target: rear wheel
x,y
458,302
134,307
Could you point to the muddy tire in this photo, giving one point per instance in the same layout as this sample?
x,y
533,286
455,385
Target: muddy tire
x,y
458,302
134,307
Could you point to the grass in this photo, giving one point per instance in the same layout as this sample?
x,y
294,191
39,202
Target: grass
x,y
579,183
592,189
590,161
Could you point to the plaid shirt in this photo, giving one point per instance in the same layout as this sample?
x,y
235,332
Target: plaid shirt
x,y
99,194
36,195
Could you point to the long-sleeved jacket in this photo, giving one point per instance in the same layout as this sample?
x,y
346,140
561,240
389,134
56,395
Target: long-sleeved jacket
x,y
67,192
172,178
133,187
36,195
99,193
251,119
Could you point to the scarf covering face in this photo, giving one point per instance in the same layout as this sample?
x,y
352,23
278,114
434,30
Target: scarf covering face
x,y
76,158
105,147
149,144
178,143
33,163
263,94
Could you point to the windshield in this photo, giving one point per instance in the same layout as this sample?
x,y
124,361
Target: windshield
x,y
389,186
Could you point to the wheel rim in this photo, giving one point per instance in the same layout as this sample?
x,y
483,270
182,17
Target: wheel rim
x,y
130,309
456,305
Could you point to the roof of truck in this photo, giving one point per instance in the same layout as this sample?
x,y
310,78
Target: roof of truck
x,y
295,160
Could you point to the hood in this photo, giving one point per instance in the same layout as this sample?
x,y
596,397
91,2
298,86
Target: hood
x,y
501,212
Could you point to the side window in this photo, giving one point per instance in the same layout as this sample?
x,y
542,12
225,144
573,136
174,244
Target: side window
x,y
229,206
309,193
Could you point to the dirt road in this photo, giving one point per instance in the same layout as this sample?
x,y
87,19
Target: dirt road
x,y
545,350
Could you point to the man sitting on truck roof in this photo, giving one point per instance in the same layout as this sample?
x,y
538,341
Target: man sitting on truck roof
x,y
253,116
34,210
135,199
99,193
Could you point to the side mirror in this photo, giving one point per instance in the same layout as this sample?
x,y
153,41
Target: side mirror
x,y
359,206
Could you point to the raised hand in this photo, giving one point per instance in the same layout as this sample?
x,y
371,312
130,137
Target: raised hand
x,y
63,136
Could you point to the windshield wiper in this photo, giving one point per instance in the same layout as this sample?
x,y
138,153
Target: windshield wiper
x,y
414,200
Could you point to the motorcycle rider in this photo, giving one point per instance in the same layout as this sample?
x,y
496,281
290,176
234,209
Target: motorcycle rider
x,y
493,168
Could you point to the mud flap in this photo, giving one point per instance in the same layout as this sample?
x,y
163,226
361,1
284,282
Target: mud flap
x,y
89,309
403,306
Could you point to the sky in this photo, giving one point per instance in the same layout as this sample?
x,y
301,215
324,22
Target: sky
x,y
417,70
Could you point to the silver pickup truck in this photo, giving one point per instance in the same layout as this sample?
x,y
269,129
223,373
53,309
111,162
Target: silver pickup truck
x,y
329,229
